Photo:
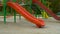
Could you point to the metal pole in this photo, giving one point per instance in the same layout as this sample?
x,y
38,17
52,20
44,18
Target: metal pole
x,y
4,9
14,13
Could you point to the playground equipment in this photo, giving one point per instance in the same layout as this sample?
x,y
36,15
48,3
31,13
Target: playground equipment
x,y
16,6
27,15
47,10
22,11
4,10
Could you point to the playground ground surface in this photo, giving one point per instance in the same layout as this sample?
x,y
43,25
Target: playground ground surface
x,y
25,27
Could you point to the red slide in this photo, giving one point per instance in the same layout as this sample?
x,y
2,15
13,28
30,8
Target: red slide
x,y
26,14
47,10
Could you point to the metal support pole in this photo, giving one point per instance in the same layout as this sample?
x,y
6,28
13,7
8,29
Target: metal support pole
x,y
14,13
4,9
14,16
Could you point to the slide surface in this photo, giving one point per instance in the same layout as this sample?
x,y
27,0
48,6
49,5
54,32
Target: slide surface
x,y
47,10
26,14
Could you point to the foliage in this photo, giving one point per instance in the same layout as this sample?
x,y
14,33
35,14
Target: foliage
x,y
55,5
